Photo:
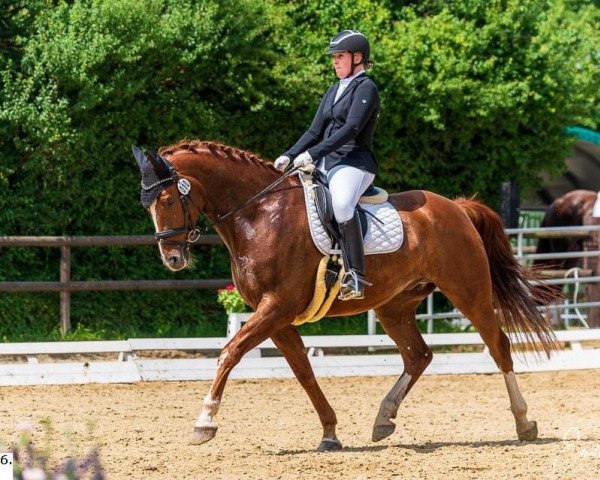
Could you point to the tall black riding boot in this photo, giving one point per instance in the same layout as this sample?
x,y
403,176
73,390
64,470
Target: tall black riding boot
x,y
353,283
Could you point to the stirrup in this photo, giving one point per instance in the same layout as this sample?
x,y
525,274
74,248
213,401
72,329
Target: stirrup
x,y
352,286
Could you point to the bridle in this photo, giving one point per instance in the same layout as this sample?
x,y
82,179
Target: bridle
x,y
193,232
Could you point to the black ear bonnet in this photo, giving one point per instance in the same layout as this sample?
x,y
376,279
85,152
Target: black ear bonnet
x,y
157,174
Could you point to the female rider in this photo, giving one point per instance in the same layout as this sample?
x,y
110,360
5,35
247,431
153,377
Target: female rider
x,y
339,142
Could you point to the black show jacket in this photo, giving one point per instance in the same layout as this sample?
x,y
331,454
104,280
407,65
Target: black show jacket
x,y
342,132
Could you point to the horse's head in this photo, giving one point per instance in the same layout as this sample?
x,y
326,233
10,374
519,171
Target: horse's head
x,y
167,195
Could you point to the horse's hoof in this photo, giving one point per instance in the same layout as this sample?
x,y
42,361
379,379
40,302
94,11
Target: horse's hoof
x,y
530,434
202,435
382,431
330,445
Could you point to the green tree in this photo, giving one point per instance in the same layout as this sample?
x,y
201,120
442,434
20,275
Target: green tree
x,y
92,78
473,93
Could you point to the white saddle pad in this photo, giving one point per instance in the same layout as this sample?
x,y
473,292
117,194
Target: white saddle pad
x,y
380,238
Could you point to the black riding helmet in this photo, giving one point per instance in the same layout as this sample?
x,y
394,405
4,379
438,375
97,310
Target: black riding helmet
x,y
351,41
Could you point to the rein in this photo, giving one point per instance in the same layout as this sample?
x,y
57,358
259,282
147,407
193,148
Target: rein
x,y
194,233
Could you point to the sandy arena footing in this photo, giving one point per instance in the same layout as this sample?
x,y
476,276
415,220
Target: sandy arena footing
x,y
457,427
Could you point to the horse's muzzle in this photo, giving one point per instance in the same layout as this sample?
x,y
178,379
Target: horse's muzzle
x,y
175,259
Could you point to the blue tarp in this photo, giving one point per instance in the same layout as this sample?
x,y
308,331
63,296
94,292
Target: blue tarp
x,y
584,134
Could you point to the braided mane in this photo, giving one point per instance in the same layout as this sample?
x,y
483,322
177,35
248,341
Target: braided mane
x,y
217,149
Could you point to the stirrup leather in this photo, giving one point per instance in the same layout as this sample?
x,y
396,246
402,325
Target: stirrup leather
x,y
352,286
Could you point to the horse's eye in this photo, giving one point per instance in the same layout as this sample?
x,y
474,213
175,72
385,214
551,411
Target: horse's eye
x,y
170,201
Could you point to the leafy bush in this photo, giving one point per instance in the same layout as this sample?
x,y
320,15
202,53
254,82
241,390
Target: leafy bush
x,y
473,93
231,300
93,78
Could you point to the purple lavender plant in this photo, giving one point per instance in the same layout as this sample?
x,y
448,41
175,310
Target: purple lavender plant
x,y
31,463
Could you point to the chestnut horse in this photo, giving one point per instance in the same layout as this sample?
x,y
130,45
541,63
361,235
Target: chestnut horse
x,y
569,210
458,246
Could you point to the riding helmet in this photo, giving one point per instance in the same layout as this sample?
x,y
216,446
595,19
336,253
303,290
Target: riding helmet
x,y
350,41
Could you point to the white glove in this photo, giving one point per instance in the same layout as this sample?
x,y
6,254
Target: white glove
x,y
303,160
282,162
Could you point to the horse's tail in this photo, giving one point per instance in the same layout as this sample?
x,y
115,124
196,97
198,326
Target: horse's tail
x,y
516,293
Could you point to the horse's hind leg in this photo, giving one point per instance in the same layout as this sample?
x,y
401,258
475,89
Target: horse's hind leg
x,y
289,342
398,319
473,297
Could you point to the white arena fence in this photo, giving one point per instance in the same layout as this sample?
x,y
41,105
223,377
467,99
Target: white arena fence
x,y
132,360
136,360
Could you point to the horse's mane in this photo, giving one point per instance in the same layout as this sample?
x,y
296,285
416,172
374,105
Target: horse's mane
x,y
217,149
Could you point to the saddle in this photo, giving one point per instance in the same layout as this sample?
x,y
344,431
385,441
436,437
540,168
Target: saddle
x,y
372,205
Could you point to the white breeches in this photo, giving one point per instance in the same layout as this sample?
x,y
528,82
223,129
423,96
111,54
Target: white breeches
x,y
346,185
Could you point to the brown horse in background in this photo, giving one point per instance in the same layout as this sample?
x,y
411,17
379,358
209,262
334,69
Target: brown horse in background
x,y
568,210
458,246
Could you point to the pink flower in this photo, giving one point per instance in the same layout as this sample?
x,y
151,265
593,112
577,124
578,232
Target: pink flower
x,y
230,287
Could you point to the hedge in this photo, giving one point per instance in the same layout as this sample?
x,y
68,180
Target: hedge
x,y
473,94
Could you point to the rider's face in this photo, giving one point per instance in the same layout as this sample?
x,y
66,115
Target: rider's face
x,y
342,63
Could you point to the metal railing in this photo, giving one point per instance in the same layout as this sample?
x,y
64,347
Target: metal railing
x,y
65,286
567,311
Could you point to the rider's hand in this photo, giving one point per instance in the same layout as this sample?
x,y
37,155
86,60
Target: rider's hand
x,y
303,160
282,162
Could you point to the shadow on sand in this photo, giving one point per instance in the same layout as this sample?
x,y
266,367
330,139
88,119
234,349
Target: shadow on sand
x,y
433,446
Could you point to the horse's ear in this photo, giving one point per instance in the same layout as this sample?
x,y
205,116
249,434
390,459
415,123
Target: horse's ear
x,y
159,164
140,158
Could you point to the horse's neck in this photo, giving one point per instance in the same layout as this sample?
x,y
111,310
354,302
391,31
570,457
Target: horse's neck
x,y
227,189
232,191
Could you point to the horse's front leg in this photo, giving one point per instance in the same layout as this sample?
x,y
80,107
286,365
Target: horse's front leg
x,y
260,326
289,342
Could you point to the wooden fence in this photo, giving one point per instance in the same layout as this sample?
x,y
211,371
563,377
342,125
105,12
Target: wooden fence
x,y
65,286
591,231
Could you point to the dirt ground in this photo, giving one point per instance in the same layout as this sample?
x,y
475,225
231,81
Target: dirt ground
x,y
457,427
